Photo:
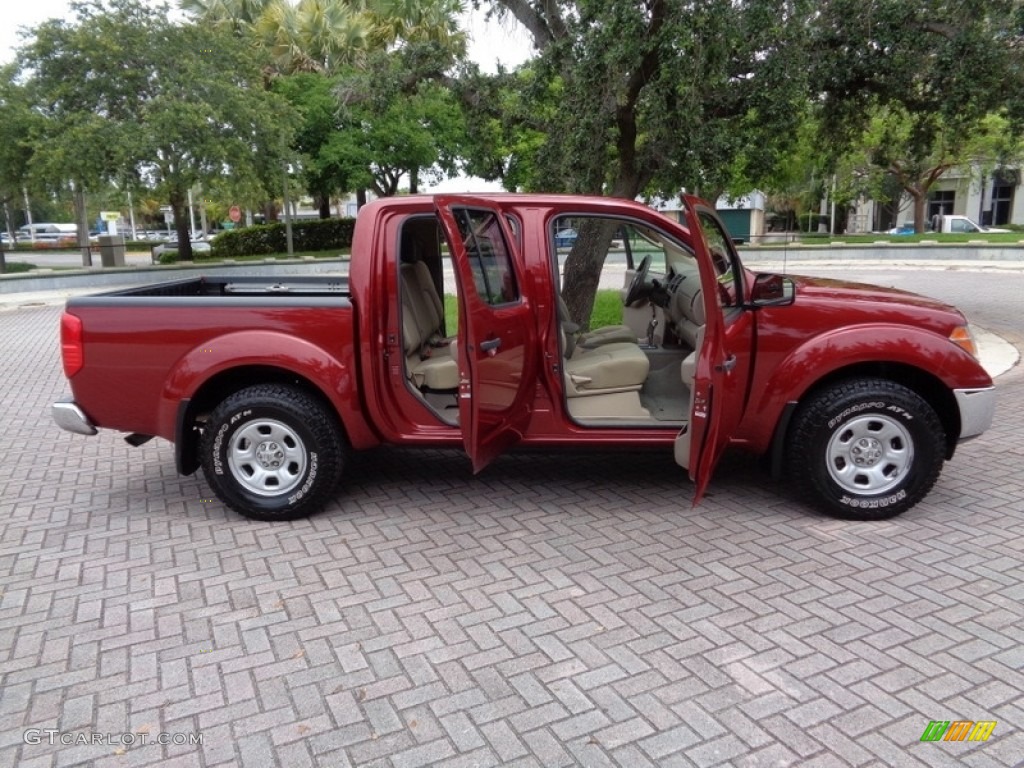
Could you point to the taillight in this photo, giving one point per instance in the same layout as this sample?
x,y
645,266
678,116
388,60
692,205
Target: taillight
x,y
71,344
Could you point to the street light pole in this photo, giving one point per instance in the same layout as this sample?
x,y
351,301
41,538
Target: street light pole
x,y
287,214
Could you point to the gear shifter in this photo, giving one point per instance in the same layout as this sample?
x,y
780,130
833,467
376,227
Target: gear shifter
x,y
650,328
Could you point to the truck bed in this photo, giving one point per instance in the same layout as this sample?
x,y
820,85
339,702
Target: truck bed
x,y
231,286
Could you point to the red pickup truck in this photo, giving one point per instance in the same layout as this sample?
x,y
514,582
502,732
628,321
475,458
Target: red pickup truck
x,y
858,394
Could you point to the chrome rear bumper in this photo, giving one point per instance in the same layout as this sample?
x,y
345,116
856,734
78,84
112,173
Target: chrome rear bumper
x,y
977,407
71,418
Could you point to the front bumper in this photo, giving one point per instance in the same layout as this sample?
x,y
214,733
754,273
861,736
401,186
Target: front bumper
x,y
70,417
977,407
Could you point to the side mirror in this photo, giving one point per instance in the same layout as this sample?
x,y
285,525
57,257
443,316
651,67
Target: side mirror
x,y
771,290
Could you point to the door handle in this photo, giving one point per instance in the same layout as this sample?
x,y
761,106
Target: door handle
x,y
727,365
490,346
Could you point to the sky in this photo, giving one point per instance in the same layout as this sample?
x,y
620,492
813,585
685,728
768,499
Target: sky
x,y
491,41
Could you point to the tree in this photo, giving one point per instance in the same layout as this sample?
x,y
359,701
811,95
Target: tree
x,y
17,124
329,37
399,118
128,95
914,83
655,95
889,149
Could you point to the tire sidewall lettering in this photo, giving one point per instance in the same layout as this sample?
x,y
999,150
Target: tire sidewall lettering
x,y
882,502
310,479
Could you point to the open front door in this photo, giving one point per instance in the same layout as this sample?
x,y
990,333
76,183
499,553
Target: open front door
x,y
497,329
723,356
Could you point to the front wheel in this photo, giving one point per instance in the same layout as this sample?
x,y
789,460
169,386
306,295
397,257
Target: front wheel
x,y
272,452
865,449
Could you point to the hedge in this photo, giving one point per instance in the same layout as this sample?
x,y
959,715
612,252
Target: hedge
x,y
317,235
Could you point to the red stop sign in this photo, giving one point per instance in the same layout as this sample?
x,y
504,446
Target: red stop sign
x,y
235,214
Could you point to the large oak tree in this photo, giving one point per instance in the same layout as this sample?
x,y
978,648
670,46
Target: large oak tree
x,y
127,94
651,96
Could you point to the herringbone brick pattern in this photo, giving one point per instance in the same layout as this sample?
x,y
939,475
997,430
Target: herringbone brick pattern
x,y
557,610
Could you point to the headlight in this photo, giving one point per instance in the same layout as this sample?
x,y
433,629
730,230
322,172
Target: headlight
x,y
962,337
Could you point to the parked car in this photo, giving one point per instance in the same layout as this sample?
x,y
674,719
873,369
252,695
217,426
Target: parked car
x,y
198,246
565,238
906,228
959,224
856,394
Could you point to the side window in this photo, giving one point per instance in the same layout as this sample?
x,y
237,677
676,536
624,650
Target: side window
x,y
640,243
729,289
489,256
617,239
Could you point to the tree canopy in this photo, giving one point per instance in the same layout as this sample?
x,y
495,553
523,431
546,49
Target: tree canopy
x,y
652,96
127,95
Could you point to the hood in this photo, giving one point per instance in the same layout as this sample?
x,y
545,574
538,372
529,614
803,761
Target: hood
x,y
835,303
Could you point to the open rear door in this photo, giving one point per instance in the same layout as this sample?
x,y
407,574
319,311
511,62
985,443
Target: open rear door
x,y
497,329
707,438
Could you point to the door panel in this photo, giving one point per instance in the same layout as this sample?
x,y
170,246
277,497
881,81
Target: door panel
x,y
496,345
720,387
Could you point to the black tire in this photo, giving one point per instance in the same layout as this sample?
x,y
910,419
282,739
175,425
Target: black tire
x,y
292,471
865,449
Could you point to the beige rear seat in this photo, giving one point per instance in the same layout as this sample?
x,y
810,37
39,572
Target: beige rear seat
x,y
428,355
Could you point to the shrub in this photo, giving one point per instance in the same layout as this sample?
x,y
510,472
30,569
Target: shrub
x,y
168,257
19,266
318,235
809,222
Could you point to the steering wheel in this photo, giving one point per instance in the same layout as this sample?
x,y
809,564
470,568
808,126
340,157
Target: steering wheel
x,y
637,288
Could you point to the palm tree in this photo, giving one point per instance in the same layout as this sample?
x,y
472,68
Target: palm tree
x,y
236,14
315,35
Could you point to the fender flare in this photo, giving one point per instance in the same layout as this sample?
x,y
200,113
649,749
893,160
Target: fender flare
x,y
335,380
865,344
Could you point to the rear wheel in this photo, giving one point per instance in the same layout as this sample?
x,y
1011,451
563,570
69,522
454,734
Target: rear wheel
x,y
273,452
865,449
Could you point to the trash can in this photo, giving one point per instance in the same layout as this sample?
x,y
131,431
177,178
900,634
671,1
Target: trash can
x,y
111,250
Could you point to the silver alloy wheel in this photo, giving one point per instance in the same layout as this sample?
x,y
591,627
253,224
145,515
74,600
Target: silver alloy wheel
x,y
870,454
267,457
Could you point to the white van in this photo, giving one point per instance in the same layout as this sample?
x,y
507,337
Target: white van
x,y
47,232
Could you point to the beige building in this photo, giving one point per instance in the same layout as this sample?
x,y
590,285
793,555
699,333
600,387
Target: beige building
x,y
991,200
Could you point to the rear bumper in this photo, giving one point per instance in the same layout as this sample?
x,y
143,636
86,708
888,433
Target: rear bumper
x,y
70,417
977,407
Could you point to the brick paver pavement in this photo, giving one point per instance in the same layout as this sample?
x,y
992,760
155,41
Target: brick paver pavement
x,y
553,611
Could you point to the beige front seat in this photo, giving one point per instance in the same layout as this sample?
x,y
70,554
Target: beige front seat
x,y
615,367
608,334
603,384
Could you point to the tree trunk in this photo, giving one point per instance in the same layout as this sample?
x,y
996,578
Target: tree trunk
x,y
586,259
270,211
360,198
414,180
179,207
10,232
82,224
323,202
920,198
583,268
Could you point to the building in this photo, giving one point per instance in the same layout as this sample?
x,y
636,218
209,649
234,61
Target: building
x,y
990,199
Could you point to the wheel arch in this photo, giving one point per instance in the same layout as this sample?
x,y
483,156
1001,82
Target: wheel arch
x,y
193,410
925,384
